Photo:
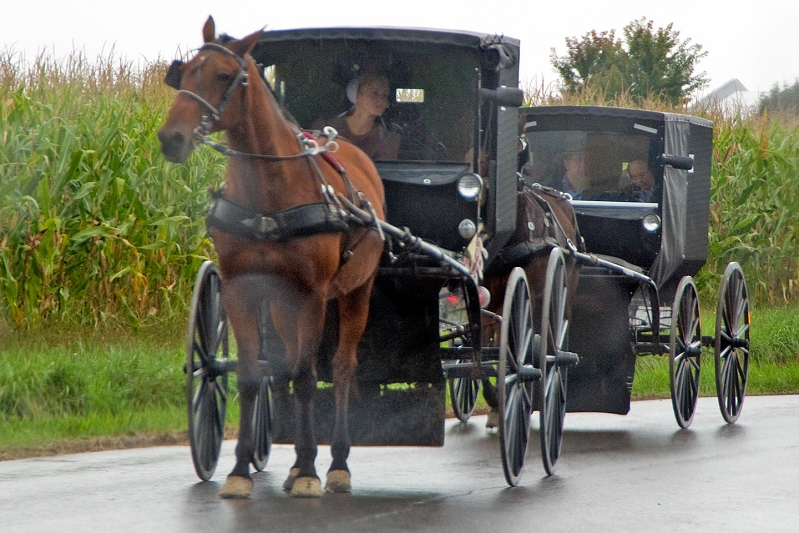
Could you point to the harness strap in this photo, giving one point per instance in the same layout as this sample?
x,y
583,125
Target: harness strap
x,y
301,221
537,192
332,160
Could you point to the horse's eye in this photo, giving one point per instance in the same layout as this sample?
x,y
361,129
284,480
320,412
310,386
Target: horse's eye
x,y
223,78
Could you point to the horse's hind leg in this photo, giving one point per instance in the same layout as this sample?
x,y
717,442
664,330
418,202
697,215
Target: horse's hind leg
x,y
241,302
490,396
353,314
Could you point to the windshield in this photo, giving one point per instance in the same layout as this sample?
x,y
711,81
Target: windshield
x,y
427,94
592,165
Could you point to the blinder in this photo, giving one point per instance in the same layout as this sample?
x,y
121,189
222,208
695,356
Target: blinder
x,y
173,75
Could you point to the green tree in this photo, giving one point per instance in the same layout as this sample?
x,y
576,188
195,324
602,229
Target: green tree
x,y
598,58
648,62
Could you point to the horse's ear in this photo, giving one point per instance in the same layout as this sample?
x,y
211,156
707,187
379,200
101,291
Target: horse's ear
x,y
245,45
209,30
173,75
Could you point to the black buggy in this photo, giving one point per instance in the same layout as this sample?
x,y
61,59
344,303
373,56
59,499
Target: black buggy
x,y
452,200
636,295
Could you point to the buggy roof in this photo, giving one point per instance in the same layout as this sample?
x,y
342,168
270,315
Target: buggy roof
x,y
634,114
413,35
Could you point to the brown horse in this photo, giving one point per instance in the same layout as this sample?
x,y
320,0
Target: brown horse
x,y
544,219
281,238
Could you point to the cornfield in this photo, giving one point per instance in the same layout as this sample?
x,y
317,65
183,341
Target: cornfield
x,y
95,226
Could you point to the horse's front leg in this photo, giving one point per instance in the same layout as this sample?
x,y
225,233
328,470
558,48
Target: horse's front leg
x,y
353,314
300,325
241,305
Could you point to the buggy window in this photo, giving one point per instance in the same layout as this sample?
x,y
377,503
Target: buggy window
x,y
433,89
595,165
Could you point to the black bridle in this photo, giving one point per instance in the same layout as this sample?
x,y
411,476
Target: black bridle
x,y
174,78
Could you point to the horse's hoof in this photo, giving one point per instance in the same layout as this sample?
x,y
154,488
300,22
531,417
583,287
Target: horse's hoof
x,y
492,420
306,487
338,481
236,487
289,483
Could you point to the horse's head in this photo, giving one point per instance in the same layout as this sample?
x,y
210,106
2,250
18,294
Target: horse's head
x,y
210,91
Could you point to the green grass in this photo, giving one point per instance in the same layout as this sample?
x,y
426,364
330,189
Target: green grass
x,y
774,363
765,377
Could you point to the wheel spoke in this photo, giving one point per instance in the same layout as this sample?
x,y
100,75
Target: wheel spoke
x,y
742,332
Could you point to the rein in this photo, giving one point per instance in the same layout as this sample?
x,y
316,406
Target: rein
x,y
310,144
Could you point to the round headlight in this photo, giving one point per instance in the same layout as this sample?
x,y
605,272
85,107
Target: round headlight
x,y
467,228
470,186
651,222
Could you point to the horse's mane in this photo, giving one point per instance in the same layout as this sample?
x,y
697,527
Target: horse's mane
x,y
225,38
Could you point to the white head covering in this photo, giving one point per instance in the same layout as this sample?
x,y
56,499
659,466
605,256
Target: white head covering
x,y
352,89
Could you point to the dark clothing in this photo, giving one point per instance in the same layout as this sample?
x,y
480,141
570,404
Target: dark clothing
x,y
379,143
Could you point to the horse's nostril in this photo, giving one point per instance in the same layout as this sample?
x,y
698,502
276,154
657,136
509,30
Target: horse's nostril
x,y
171,141
173,145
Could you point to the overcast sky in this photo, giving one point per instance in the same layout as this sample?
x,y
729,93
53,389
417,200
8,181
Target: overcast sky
x,y
754,42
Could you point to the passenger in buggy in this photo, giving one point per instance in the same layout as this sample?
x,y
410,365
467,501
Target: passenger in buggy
x,y
363,123
643,181
574,181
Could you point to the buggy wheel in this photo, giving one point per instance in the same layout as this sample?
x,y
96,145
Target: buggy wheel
x,y
515,375
206,379
732,343
553,360
685,350
463,393
262,425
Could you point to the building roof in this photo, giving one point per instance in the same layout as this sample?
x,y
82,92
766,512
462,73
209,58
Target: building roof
x,y
732,95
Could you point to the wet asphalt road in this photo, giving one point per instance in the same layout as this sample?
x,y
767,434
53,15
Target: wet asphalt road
x,y
632,473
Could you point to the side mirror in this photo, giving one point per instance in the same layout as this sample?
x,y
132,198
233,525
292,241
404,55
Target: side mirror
x,y
680,162
503,96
